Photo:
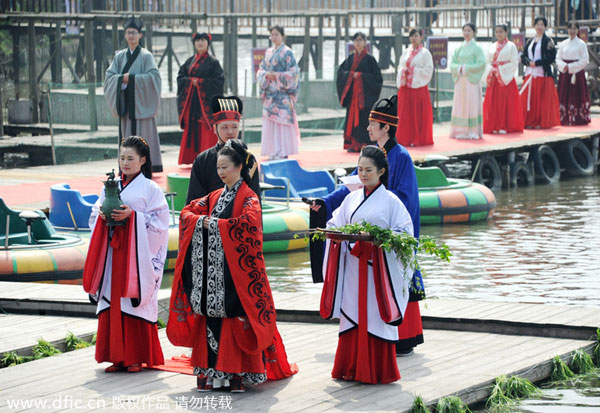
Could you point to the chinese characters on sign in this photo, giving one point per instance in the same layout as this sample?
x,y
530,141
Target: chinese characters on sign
x,y
519,40
438,47
258,55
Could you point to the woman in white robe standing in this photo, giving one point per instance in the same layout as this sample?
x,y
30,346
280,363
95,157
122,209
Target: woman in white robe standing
x,y
467,67
502,112
573,94
369,300
415,113
124,266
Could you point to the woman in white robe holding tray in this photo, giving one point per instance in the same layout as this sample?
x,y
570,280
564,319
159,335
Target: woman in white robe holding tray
x,y
364,286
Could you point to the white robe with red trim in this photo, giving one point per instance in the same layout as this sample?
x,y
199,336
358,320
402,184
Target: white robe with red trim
x,y
384,209
146,198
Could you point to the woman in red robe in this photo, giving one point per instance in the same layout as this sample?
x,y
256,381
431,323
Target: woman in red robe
x,y
199,79
221,303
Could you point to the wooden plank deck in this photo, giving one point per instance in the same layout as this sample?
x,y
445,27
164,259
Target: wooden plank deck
x,y
19,332
450,314
449,362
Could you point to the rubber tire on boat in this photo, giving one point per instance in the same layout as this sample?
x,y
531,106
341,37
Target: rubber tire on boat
x,y
577,159
489,173
546,165
520,174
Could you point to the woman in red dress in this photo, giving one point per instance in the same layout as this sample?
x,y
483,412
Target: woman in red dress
x,y
502,110
414,103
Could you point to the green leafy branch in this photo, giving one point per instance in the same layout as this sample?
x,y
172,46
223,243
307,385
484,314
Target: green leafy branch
x,y
404,245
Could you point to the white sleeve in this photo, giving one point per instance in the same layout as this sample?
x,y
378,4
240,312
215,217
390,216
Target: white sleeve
x,y
583,59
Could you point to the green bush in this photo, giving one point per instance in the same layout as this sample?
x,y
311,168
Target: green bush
x,y
44,349
560,371
451,404
419,406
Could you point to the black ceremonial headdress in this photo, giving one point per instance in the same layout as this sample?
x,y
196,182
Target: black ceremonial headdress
x,y
385,111
134,23
226,108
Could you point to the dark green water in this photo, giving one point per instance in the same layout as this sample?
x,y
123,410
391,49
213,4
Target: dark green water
x,y
541,246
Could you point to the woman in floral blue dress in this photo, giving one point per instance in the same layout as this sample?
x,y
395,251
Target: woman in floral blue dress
x,y
278,78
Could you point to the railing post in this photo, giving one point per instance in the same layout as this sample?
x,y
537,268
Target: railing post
x,y
254,42
170,61
149,35
338,36
319,62
234,46
99,36
33,89
1,113
89,60
346,29
226,65
397,30
57,63
16,61
305,64
115,37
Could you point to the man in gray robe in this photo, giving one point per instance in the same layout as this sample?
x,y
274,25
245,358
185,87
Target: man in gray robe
x,y
132,90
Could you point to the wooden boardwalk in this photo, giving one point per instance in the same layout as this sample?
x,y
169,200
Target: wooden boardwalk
x,y
449,362
520,339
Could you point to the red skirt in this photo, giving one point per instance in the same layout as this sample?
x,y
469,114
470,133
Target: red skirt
x,y
502,108
140,341
410,332
196,138
380,357
543,103
574,100
415,117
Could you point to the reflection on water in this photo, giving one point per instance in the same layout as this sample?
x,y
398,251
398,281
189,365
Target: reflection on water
x,y
541,246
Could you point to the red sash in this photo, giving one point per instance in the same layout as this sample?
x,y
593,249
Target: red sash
x,y
384,292
357,101
494,74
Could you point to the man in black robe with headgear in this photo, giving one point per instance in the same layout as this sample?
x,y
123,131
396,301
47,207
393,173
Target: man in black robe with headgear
x,y
227,113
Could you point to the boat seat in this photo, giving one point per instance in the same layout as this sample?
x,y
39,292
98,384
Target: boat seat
x,y
288,173
62,197
179,185
16,238
317,192
430,177
41,228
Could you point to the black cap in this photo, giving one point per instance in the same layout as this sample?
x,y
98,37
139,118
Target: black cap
x,y
134,23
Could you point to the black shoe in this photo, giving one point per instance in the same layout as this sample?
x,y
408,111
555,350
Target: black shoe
x,y
157,168
404,352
